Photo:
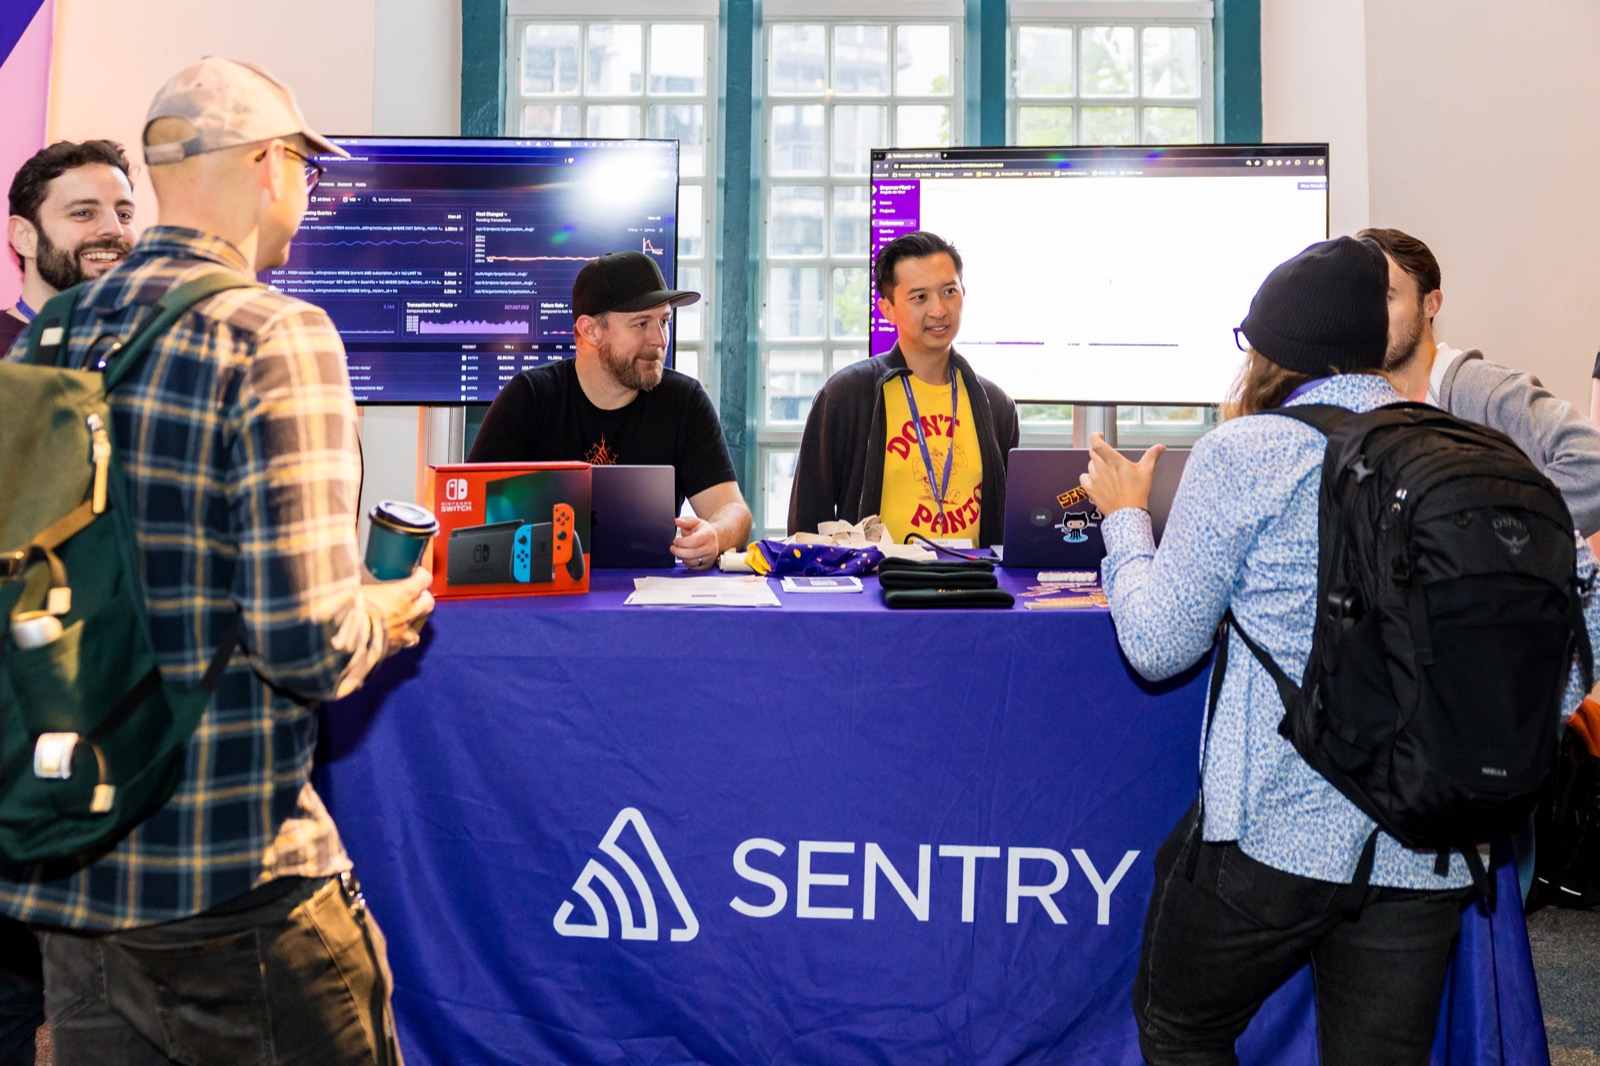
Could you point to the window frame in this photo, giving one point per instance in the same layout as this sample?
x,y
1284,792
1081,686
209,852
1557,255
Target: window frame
x,y
696,356
777,439
1229,37
1134,423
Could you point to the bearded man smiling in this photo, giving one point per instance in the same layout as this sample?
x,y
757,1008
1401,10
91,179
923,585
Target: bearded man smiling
x,y
71,220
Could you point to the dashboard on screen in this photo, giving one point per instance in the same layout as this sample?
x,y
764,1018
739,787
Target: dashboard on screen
x,y
1105,275
447,263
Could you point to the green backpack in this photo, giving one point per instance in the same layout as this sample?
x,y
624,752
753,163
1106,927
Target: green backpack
x,y
92,740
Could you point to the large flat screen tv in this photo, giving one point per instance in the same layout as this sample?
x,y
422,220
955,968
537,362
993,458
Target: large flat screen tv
x,y
1105,275
447,262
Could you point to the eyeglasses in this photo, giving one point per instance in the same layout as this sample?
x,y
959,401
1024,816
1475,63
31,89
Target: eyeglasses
x,y
1240,339
313,169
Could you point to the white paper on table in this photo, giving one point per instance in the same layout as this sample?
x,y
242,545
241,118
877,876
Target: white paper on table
x,y
749,591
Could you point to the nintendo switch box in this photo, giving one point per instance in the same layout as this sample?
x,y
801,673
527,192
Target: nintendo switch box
x,y
509,529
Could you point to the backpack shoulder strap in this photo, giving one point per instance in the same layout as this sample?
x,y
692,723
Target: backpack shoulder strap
x,y
1219,667
1288,691
1325,418
47,334
169,309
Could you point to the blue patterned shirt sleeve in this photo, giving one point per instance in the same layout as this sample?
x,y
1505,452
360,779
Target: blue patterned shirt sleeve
x,y
1243,536
1167,605
1588,577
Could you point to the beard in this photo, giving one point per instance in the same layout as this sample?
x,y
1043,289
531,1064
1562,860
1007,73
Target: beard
x,y
635,373
62,268
1404,347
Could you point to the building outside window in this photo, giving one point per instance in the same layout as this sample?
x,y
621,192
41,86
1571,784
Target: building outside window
x,y
1084,73
649,74
835,80
834,88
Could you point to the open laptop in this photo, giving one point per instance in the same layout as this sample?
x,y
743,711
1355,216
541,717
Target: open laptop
x,y
1051,523
632,508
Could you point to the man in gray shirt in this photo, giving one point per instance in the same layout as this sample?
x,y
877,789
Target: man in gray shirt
x,y
1550,431
1559,440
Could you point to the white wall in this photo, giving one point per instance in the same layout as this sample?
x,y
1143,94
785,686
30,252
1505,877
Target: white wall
x,y
416,91
417,73
112,55
1476,122
1483,141
356,66
1314,88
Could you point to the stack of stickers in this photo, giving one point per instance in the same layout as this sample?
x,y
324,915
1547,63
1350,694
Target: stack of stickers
x,y
1059,590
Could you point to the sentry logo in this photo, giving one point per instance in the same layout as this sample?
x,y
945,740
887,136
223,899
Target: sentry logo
x,y
455,488
822,867
646,926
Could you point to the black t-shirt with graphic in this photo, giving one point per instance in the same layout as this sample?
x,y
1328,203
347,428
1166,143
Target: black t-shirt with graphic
x,y
542,415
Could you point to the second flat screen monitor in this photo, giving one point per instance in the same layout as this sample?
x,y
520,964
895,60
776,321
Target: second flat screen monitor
x,y
447,263
1105,275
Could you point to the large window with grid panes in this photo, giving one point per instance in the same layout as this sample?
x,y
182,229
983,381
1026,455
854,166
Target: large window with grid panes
x,y
835,84
637,70
834,79
1087,73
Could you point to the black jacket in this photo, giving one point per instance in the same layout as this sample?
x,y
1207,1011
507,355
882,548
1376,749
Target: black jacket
x,y
839,474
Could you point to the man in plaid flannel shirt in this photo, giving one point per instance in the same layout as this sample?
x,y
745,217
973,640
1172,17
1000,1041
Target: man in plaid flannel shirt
x,y
227,928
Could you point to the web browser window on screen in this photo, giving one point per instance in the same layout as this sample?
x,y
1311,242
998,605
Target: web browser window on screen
x,y
1105,275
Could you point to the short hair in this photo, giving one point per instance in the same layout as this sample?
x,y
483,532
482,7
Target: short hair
x,y
32,182
1412,255
918,245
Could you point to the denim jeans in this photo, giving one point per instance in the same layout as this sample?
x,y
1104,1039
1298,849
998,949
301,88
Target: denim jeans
x,y
1215,947
21,993
296,973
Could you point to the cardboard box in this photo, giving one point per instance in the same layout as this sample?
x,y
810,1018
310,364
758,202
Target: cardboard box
x,y
509,529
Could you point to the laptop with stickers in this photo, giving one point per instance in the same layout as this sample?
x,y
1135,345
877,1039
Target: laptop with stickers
x,y
1051,524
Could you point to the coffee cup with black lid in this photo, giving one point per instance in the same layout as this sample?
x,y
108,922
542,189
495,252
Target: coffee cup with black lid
x,y
397,535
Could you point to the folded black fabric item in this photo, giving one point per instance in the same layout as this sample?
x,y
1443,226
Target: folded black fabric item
x,y
940,579
924,598
968,566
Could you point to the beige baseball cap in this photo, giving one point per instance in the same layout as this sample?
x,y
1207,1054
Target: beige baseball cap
x,y
228,103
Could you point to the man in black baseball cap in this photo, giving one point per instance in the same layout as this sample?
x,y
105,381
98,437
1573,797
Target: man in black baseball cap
x,y
624,281
616,401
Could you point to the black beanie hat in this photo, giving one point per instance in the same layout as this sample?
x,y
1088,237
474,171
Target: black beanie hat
x,y
1326,309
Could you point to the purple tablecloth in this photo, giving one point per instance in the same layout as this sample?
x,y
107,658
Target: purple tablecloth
x,y
820,833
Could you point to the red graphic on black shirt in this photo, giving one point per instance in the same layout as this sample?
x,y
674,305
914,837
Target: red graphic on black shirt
x,y
600,455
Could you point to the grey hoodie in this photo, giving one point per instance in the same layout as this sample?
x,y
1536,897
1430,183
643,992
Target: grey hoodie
x,y
1560,441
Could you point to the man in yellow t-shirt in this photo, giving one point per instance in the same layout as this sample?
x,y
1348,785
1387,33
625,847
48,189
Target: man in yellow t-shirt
x,y
914,435
909,500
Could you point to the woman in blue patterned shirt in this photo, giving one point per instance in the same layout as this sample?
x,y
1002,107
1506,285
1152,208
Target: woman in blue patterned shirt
x,y
1278,846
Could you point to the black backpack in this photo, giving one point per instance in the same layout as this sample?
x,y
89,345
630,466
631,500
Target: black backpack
x,y
1448,614
1566,831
